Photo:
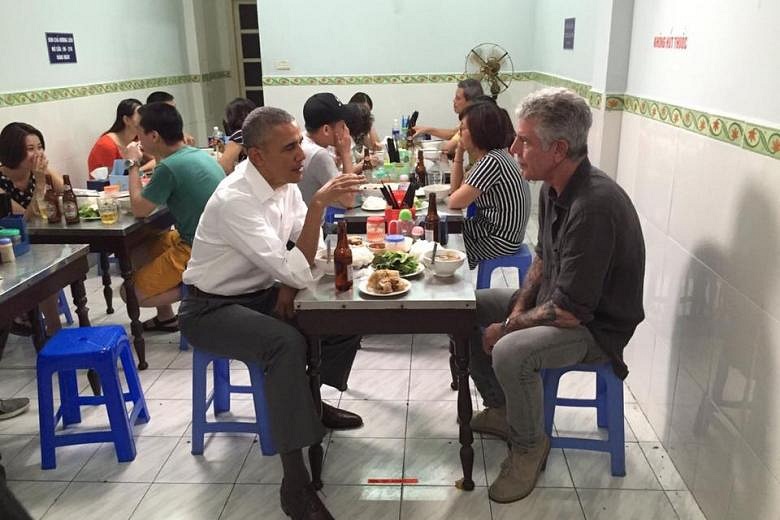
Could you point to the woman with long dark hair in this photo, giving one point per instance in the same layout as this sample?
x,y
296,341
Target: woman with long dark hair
x,y
494,184
110,144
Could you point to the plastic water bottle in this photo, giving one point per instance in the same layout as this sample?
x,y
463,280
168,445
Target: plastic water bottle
x,y
396,132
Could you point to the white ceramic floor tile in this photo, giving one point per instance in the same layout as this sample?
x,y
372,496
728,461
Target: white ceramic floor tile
x,y
12,380
432,419
36,497
354,461
663,466
167,418
254,501
385,385
436,462
591,469
432,385
541,504
430,351
26,464
151,454
18,353
10,445
444,503
641,427
374,502
388,340
171,384
105,500
220,463
259,469
581,422
380,419
685,505
183,501
30,390
555,475
383,357
182,361
609,504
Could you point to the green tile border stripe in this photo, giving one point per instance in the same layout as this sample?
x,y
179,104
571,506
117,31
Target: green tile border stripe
x,y
753,137
11,99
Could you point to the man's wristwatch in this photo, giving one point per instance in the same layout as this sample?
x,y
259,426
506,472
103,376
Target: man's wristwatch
x,y
505,324
129,163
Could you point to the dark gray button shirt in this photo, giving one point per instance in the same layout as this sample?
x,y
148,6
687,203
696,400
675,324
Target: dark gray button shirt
x,y
593,253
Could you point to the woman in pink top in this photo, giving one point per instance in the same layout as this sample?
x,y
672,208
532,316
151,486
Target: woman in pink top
x,y
124,131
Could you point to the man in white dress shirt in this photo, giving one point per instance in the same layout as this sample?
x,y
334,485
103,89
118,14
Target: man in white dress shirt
x,y
252,252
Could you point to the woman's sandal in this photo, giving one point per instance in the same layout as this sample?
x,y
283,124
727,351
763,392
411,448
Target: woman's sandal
x,y
156,324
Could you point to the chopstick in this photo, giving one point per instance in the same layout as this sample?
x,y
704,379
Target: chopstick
x,y
388,195
409,195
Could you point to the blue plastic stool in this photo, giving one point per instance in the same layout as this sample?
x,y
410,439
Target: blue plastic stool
x,y
520,260
63,307
220,397
98,348
609,412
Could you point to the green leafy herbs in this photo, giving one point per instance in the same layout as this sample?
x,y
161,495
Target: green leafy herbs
x,y
88,212
404,263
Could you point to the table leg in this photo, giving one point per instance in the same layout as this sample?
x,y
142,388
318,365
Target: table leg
x,y
464,409
79,295
38,330
133,310
107,292
315,451
5,329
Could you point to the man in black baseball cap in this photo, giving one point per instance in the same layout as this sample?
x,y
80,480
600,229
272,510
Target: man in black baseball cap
x,y
323,117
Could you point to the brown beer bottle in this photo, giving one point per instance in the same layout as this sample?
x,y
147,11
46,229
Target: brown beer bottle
x,y
342,260
432,220
70,206
420,172
53,213
366,161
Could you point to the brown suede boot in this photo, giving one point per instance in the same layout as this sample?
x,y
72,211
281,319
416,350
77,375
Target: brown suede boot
x,y
519,472
491,421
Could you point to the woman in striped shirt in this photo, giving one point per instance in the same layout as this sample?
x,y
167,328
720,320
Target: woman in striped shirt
x,y
494,184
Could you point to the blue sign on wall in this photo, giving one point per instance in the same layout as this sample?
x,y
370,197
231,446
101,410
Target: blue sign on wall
x,y
568,33
62,47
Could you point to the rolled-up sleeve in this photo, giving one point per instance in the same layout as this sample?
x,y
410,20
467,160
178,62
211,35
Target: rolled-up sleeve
x,y
249,233
584,260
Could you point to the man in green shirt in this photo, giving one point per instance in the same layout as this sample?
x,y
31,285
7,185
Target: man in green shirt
x,y
183,180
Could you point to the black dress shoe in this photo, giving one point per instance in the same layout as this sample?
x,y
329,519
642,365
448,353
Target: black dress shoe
x,y
303,504
338,419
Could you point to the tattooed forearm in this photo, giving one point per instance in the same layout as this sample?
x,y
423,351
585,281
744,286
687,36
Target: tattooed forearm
x,y
525,298
546,314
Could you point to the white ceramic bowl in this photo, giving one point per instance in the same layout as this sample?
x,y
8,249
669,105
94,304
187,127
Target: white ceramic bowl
x,y
447,261
441,190
321,262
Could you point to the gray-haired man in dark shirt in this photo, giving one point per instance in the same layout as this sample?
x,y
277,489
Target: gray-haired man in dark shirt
x,y
581,299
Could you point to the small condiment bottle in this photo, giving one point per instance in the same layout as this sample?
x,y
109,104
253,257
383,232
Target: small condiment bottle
x,y
405,222
394,243
375,229
6,251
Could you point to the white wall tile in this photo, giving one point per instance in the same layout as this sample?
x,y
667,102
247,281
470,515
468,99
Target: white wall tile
x,y
655,171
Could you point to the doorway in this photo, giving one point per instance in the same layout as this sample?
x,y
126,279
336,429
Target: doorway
x,y
247,33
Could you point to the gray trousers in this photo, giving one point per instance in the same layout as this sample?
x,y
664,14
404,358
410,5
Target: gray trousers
x,y
510,377
242,328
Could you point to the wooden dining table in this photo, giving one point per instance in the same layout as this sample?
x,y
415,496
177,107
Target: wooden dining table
x,y
432,305
121,239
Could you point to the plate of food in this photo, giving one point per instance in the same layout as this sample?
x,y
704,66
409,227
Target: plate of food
x,y
89,213
373,203
385,283
420,204
406,264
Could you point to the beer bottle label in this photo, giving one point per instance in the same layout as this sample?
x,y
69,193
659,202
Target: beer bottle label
x,y
70,209
51,211
429,235
349,272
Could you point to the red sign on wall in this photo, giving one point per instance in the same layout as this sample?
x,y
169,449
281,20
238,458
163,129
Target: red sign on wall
x,y
670,42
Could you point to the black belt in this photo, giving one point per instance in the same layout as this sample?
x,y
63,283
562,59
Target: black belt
x,y
194,291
